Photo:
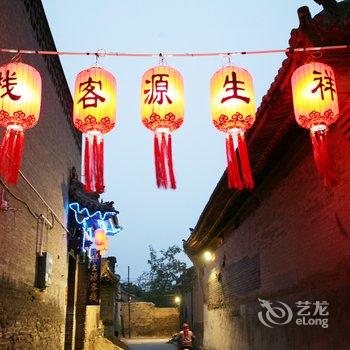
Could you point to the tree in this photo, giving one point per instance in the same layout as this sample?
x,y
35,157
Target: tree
x,y
159,283
133,289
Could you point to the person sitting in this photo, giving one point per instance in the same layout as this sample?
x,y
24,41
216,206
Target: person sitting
x,y
185,338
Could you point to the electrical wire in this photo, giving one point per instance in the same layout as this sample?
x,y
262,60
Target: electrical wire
x,y
31,211
102,53
54,215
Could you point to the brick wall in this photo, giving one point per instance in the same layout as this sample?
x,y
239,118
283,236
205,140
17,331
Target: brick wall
x,y
299,240
150,321
108,309
192,308
35,319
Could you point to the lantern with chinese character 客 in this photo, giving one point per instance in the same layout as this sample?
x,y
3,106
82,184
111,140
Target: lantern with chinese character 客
x,y
101,241
233,112
20,101
162,111
94,115
316,108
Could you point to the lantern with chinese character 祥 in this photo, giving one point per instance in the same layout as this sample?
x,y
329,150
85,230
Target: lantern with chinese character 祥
x,y
316,108
162,111
94,115
233,112
20,100
101,241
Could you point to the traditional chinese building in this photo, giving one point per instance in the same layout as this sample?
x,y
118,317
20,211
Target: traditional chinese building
x,y
287,241
92,281
50,268
33,215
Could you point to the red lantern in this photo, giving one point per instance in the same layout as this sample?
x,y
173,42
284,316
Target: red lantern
x,y
94,115
233,112
20,100
162,111
316,107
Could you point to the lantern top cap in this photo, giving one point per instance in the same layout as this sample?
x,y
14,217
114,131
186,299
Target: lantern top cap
x,y
231,66
313,63
92,68
165,66
18,63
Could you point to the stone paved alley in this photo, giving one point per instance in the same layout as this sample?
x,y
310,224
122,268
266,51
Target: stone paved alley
x,y
150,344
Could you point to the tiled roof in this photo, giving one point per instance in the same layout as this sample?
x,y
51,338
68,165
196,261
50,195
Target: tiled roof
x,y
275,126
88,200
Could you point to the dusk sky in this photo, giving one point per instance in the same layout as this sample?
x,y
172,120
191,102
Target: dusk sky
x,y
150,216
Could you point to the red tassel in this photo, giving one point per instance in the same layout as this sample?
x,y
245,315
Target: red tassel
x,y
93,163
87,164
245,165
323,156
156,160
163,161
11,152
229,166
234,178
170,163
163,153
100,187
238,169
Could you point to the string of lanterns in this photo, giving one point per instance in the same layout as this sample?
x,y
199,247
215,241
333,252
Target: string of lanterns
x,y
162,111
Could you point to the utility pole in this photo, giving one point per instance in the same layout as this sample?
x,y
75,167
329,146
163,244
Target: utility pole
x,y
129,301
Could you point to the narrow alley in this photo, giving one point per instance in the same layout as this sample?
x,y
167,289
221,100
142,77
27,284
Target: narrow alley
x,y
150,344
174,175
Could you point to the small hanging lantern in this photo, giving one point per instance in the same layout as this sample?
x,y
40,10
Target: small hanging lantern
x,y
162,111
20,101
233,112
101,241
94,114
316,107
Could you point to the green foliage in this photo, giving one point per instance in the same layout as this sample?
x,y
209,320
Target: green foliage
x,y
133,289
159,283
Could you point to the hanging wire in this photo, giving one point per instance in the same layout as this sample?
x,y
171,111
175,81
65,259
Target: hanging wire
x,y
99,53
162,60
226,60
316,54
17,57
176,54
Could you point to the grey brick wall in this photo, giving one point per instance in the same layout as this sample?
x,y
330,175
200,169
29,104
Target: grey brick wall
x,y
36,319
301,232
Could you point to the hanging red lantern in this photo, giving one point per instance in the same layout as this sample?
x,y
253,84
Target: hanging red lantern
x,y
162,111
233,112
20,100
316,107
94,115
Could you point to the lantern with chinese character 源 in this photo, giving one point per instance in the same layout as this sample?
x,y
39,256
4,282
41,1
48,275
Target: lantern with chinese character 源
x,y
20,101
94,115
233,112
101,241
162,111
316,108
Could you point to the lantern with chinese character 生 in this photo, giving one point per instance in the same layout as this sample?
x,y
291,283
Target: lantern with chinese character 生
x,y
94,115
101,241
162,111
233,112
20,101
316,108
